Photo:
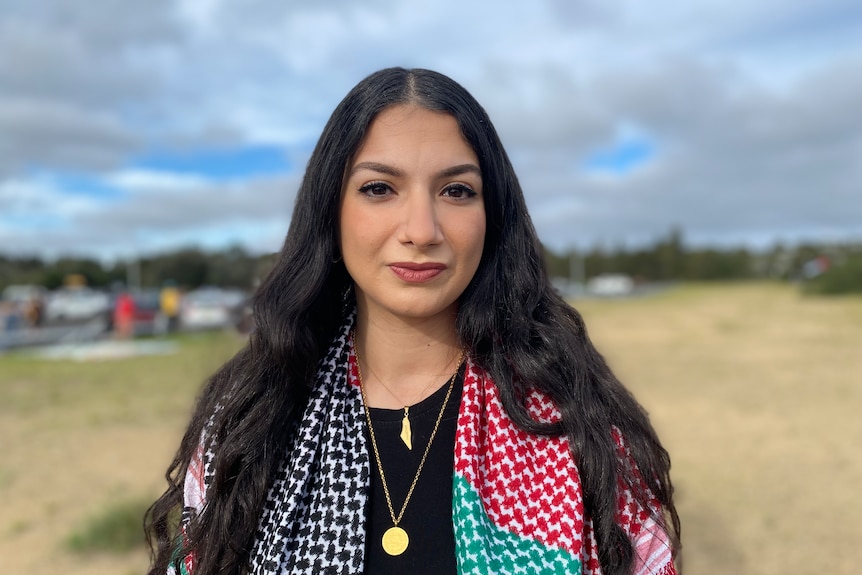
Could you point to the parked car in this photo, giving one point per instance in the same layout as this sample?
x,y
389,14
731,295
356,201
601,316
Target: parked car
x,y
148,317
210,308
76,303
23,293
610,285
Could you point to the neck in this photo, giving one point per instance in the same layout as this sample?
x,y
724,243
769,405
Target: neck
x,y
403,362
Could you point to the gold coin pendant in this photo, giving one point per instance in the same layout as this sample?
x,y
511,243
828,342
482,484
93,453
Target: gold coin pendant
x,y
395,541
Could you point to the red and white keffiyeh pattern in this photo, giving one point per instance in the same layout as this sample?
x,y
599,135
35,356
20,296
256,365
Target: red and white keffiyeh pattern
x,y
518,498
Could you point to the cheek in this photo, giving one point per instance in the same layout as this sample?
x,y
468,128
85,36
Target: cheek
x,y
360,233
470,245
351,224
477,237
357,234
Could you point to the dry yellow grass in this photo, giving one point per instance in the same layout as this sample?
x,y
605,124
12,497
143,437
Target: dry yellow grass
x,y
76,438
756,392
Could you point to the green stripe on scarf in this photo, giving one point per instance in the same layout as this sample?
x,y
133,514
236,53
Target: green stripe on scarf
x,y
482,547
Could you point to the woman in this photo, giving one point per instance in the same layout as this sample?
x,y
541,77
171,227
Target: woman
x,y
415,395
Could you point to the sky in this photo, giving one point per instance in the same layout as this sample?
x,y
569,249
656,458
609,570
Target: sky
x,y
130,128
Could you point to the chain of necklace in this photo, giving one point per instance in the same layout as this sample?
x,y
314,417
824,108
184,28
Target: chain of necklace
x,y
406,430
395,539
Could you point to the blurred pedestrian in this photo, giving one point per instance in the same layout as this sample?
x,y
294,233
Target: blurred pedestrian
x,y
10,315
124,316
35,311
170,300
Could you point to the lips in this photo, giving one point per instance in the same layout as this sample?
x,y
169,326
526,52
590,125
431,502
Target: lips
x,y
417,273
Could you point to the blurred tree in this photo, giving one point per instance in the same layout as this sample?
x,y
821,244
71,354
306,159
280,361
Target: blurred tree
x,y
802,254
844,276
670,254
711,264
596,262
188,267
667,259
25,270
556,264
55,275
233,268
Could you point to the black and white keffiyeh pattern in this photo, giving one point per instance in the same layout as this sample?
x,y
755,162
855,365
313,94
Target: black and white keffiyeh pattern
x,y
313,521
314,518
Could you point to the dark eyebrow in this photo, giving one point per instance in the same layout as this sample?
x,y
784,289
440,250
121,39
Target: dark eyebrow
x,y
375,167
462,169
396,173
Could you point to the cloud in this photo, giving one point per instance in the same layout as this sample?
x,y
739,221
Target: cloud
x,y
153,211
748,110
732,158
38,134
35,202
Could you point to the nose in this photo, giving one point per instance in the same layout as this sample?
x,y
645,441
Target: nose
x,y
420,225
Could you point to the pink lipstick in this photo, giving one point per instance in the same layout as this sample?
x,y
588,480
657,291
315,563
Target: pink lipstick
x,y
416,273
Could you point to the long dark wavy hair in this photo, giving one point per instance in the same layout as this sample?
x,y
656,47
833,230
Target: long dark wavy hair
x,y
510,320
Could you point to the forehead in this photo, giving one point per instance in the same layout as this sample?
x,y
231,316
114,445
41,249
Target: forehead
x,y
408,132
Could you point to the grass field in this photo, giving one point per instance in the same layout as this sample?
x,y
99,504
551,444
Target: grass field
x,y
755,390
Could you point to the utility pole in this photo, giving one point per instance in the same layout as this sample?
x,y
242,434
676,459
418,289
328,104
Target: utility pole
x,y
133,274
576,272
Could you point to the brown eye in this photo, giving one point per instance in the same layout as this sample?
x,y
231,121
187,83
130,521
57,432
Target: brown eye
x,y
459,192
375,189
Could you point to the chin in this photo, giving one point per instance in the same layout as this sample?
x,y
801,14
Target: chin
x,y
420,312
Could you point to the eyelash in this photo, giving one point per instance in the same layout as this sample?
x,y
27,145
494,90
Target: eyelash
x,y
465,190
366,189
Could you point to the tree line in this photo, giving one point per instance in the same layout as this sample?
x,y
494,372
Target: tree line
x,y
187,267
825,268
822,268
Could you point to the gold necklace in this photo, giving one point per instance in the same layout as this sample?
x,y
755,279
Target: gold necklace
x,y
395,539
406,430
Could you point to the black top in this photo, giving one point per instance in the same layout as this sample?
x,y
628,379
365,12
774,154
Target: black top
x,y
428,518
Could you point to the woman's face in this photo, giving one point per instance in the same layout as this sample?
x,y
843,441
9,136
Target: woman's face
x,y
412,222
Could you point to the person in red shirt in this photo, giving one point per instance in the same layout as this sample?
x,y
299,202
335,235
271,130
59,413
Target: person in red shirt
x,y
124,316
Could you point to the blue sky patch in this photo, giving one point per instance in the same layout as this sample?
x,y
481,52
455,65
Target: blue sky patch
x,y
233,163
82,185
624,156
31,221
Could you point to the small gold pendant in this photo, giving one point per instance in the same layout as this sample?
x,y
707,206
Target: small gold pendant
x,y
406,434
395,541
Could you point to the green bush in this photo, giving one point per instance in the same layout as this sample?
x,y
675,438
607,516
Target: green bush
x,y
117,529
843,278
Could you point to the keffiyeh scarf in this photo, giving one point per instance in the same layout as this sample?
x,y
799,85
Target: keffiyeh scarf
x,y
517,504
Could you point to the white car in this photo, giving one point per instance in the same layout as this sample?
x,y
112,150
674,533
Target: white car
x,y
76,304
611,285
209,308
23,293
